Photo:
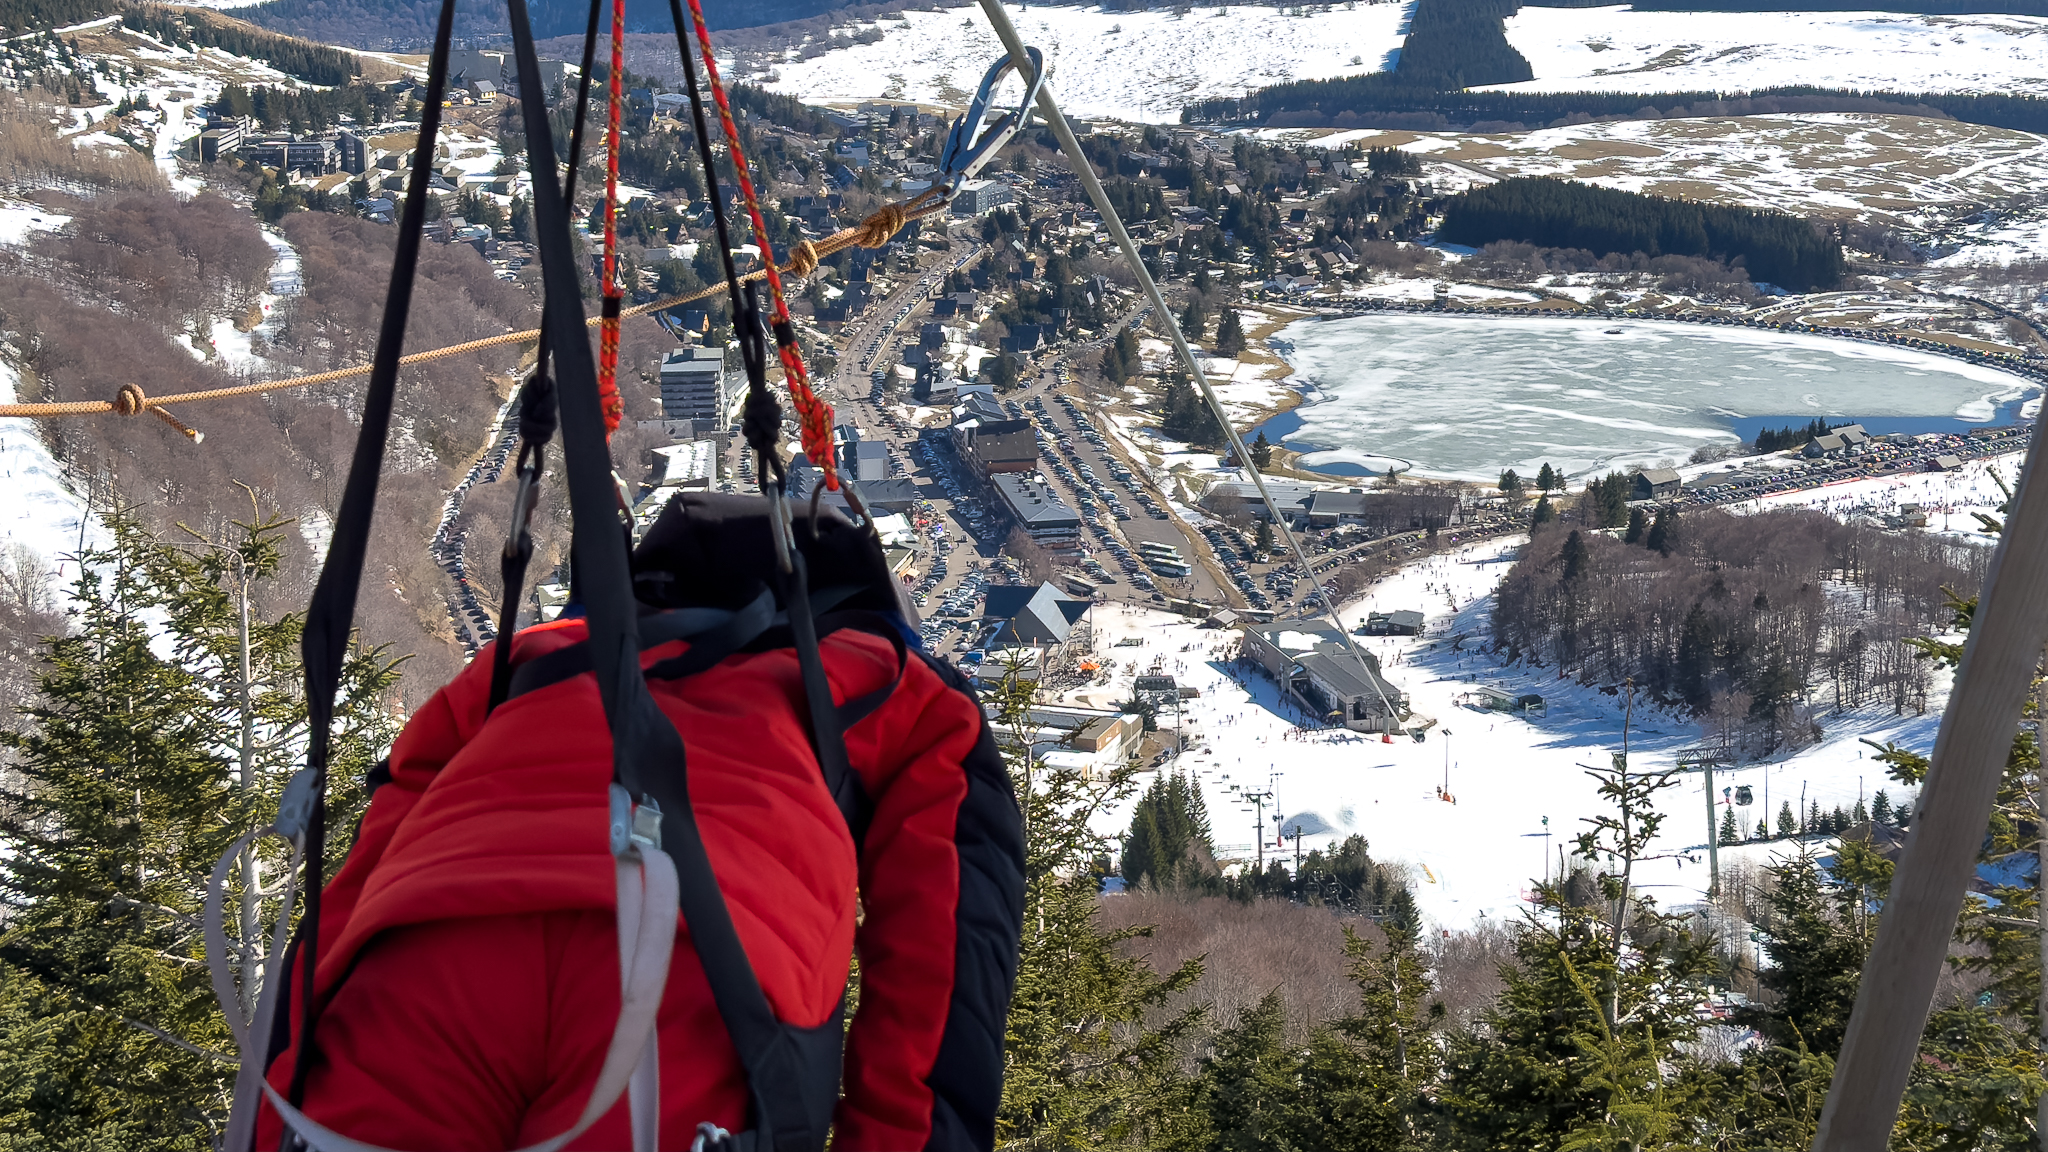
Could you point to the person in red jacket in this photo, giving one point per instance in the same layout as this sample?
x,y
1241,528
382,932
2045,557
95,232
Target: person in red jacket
x,y
468,967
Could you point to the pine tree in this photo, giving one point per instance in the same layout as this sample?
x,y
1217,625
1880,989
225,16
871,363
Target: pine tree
x,y
1230,334
1816,938
1696,659
1730,833
148,751
1763,829
1192,321
1085,1065
1638,524
1788,825
1511,486
1544,513
1881,807
1261,450
1168,844
1573,557
1663,534
1547,479
1262,536
1186,416
1556,1066
1812,817
1120,359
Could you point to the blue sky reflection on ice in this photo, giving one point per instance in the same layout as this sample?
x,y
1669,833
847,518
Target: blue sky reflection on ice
x,y
1468,396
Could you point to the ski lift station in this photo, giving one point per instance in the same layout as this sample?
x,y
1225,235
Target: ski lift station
x,y
1322,674
1493,699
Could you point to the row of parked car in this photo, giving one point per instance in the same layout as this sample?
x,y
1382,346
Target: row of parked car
x,y
446,544
1232,550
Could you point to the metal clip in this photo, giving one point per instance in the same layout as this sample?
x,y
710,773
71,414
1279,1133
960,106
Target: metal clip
x,y
647,823
965,152
518,541
619,824
711,1138
295,807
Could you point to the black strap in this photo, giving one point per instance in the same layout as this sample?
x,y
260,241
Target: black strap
x,y
703,627
722,630
647,753
536,427
330,618
537,418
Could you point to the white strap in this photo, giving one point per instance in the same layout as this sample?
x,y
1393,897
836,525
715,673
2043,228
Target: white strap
x,y
643,1090
647,909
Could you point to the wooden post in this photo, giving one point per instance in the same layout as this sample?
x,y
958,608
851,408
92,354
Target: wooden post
x,y
1948,827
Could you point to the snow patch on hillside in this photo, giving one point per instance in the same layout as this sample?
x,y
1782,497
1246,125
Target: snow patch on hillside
x,y
1139,66
1621,50
41,511
19,221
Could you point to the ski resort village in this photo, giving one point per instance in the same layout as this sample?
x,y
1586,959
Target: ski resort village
x,y
1402,481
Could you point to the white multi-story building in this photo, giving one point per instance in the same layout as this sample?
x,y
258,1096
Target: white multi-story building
x,y
696,385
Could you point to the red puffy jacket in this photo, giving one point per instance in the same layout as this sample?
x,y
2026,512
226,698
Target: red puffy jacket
x,y
468,962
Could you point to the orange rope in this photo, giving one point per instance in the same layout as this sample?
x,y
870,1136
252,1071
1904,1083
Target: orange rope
x,y
814,416
608,328
872,232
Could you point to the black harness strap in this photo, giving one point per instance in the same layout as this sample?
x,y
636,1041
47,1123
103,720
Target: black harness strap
x,y
647,753
536,428
537,421
708,629
330,617
703,627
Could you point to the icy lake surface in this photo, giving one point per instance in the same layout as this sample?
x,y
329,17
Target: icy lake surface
x,y
1467,396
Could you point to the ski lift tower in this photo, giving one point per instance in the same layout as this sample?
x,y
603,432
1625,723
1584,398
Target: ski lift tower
x,y
1704,759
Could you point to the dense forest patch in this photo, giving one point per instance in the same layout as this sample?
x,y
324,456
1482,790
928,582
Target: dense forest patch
x,y
1541,210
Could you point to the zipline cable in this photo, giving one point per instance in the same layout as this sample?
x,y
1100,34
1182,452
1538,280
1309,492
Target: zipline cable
x,y
1022,59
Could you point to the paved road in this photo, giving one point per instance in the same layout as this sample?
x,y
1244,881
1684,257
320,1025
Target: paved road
x,y
867,344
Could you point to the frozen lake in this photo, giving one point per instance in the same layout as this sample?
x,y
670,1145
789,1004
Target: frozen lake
x,y
1465,397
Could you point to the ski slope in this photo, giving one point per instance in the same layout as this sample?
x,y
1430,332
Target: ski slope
x,y
1472,861
1618,49
41,511
1138,66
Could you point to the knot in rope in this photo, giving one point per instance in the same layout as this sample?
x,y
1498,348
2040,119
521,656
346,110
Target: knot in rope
x,y
130,401
803,259
876,230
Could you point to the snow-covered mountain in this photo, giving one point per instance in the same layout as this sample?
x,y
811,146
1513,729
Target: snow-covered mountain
x,y
1147,66
1143,66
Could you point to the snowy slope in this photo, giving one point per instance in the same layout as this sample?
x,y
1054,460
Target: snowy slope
x,y
1621,50
1874,166
1471,859
1148,65
1141,66
41,511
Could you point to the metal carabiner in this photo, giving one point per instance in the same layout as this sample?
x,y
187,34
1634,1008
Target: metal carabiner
x,y
965,151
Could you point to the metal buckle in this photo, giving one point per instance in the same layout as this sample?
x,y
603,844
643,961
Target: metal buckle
x,y
647,823
965,152
295,807
528,468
